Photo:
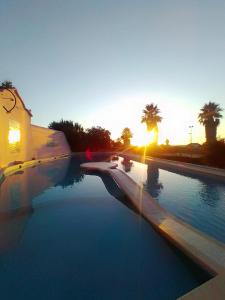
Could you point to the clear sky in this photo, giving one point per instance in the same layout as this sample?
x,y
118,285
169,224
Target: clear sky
x,y
98,62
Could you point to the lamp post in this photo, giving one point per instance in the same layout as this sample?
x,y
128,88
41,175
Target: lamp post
x,y
190,133
191,127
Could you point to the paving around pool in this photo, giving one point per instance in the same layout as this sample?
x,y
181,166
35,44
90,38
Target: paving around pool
x,y
73,229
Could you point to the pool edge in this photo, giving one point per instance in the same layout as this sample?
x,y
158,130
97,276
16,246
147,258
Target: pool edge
x,y
4,172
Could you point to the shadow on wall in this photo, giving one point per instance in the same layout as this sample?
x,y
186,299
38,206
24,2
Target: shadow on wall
x,y
19,140
47,142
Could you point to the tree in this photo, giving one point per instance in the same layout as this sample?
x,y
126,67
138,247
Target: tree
x,y
210,116
74,133
151,118
167,141
126,136
117,145
94,138
215,153
6,84
98,138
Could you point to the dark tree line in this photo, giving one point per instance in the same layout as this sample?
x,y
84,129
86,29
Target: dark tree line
x,y
79,139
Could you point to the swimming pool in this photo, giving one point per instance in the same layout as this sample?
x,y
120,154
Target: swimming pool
x,y
195,199
69,235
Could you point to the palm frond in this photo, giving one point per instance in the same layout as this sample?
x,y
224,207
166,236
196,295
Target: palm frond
x,y
210,113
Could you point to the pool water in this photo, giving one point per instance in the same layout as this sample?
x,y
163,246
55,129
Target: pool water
x,y
69,235
195,199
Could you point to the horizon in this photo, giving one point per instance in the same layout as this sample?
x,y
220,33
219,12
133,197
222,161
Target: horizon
x,y
106,61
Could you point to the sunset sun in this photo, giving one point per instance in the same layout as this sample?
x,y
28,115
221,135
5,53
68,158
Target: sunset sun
x,y
144,138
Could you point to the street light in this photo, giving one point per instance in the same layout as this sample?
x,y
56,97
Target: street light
x,y
190,133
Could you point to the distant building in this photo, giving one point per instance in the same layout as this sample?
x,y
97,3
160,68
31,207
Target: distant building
x,y
194,146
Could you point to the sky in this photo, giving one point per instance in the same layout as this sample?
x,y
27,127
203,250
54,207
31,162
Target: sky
x,y
99,62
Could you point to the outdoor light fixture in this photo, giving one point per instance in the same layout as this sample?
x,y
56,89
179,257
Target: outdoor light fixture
x,y
14,136
190,133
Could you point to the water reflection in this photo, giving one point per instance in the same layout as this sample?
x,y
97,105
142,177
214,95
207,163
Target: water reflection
x,y
112,188
74,174
152,185
209,194
208,187
126,164
16,194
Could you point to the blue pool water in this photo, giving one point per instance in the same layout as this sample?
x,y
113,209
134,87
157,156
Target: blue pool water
x,y
197,200
69,235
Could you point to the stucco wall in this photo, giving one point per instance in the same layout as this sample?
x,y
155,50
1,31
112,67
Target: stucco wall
x,y
31,141
47,142
19,119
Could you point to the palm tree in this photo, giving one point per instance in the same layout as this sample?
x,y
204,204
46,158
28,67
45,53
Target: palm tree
x,y
126,136
210,116
6,84
151,118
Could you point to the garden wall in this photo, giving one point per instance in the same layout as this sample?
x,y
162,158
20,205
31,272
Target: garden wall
x,y
47,142
19,140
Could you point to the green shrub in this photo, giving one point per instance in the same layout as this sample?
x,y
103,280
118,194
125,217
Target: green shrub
x,y
215,154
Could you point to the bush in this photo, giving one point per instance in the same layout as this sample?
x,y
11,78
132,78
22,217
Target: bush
x,y
215,154
94,138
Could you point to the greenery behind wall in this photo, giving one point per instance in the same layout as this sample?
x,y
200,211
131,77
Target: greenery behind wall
x,y
93,139
99,139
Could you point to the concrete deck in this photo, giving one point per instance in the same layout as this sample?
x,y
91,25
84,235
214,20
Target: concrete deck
x,y
204,250
99,166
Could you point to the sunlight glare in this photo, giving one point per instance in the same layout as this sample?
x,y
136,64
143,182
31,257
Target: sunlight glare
x,y
14,136
150,137
144,138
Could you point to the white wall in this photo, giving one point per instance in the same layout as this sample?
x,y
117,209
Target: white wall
x,y
34,141
19,118
47,142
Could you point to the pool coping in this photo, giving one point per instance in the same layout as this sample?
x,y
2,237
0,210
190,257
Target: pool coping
x,y
8,170
216,173
204,250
